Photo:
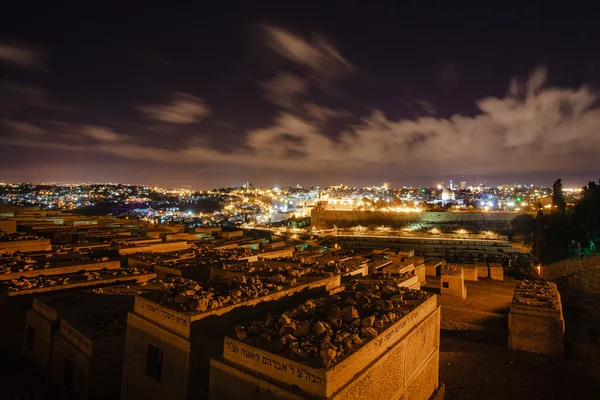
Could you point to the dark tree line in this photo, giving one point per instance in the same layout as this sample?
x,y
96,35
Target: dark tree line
x,y
563,233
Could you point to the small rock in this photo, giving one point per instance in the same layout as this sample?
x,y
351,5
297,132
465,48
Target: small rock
x,y
349,314
302,329
336,323
319,328
285,320
328,354
198,304
241,333
369,332
299,352
368,321
287,329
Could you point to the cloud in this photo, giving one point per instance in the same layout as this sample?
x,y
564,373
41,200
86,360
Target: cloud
x,y
22,55
533,128
25,128
427,107
315,53
318,66
103,134
323,114
285,90
183,109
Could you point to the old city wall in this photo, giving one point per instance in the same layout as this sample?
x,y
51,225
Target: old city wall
x,y
567,267
326,219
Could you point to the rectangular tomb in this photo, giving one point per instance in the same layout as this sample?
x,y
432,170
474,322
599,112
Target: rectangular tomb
x,y
470,271
434,266
496,272
16,296
383,280
59,268
493,271
171,338
193,268
535,321
43,318
88,351
347,269
452,282
388,357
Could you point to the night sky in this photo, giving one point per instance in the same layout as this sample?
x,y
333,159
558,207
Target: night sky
x,y
280,94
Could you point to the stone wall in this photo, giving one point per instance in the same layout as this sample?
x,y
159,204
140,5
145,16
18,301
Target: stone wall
x,y
466,251
566,267
586,279
326,219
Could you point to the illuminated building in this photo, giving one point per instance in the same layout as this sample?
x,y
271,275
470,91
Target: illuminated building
x,y
448,196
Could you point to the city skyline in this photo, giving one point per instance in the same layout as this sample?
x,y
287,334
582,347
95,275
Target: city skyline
x,y
291,95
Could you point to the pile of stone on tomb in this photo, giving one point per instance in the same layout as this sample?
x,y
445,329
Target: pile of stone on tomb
x,y
41,282
380,283
452,270
536,293
325,330
191,295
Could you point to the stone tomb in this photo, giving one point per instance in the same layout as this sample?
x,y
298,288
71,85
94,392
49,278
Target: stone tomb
x,y
452,282
535,321
381,279
276,253
434,266
348,269
420,272
88,351
399,267
495,271
470,271
168,347
193,268
57,268
400,362
16,296
43,318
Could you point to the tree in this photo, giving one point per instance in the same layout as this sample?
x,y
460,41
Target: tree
x,y
558,198
556,229
586,219
523,228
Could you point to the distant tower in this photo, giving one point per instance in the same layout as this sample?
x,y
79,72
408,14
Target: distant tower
x,y
386,185
451,188
463,184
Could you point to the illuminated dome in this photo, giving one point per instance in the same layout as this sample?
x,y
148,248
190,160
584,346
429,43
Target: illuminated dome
x,y
447,195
